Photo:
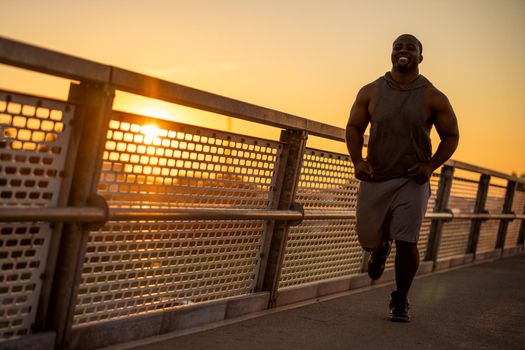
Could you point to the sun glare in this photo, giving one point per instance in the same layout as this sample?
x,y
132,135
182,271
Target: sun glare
x,y
151,134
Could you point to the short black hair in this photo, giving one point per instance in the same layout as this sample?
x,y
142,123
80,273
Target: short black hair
x,y
412,36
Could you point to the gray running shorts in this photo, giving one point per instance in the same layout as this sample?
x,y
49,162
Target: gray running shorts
x,y
390,210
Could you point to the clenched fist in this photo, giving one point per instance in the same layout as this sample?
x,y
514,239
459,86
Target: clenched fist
x,y
421,172
363,171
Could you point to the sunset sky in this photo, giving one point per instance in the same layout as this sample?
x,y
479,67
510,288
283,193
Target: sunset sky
x,y
307,58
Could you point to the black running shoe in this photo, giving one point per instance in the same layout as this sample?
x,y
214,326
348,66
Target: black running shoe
x,y
399,307
377,261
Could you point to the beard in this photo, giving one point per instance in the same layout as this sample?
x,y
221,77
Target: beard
x,y
404,68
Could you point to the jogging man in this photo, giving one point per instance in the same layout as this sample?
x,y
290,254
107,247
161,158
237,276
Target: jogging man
x,y
402,106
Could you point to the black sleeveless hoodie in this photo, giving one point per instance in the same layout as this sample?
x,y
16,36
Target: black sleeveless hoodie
x,y
399,137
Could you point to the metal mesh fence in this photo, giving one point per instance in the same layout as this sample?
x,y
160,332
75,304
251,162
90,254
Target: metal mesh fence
x,y
321,249
327,182
455,234
34,141
518,206
488,233
174,165
137,267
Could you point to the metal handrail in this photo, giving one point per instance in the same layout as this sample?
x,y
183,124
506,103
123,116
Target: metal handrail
x,y
203,214
18,54
52,214
477,169
484,216
96,214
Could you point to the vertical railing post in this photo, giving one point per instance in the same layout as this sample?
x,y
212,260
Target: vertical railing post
x,y
521,236
479,208
507,209
57,228
273,254
442,197
94,103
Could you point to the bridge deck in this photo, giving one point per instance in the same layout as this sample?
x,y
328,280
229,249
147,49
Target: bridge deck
x,y
477,307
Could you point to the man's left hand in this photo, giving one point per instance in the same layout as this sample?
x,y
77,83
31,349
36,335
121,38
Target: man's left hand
x,y
421,172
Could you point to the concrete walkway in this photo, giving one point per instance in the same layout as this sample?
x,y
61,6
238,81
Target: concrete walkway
x,y
476,307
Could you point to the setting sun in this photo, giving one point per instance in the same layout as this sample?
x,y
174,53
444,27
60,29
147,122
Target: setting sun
x,y
151,134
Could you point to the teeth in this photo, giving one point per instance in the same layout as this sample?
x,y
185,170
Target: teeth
x,y
403,59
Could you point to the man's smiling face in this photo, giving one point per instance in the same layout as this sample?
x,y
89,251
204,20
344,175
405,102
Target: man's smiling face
x,y
406,53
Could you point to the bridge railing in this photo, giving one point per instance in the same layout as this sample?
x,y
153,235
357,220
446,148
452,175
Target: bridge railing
x,y
117,226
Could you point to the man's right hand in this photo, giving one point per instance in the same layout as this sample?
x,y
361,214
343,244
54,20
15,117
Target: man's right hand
x,y
363,171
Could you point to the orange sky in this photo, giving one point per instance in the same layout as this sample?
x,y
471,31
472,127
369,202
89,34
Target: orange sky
x,y
307,58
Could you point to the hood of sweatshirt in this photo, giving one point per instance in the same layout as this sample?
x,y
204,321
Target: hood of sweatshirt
x,y
417,83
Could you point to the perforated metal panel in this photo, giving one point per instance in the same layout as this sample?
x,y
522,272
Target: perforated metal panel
x,y
518,205
161,164
137,267
327,182
434,185
455,234
424,233
488,233
321,249
34,139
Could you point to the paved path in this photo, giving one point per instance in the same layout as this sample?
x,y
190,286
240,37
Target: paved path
x,y
477,307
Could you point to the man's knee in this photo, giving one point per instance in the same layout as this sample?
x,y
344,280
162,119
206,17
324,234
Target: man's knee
x,y
406,246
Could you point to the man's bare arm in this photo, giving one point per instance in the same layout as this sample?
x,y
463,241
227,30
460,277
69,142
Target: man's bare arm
x,y
447,127
355,130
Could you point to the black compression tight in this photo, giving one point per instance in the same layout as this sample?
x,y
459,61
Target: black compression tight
x,y
406,264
